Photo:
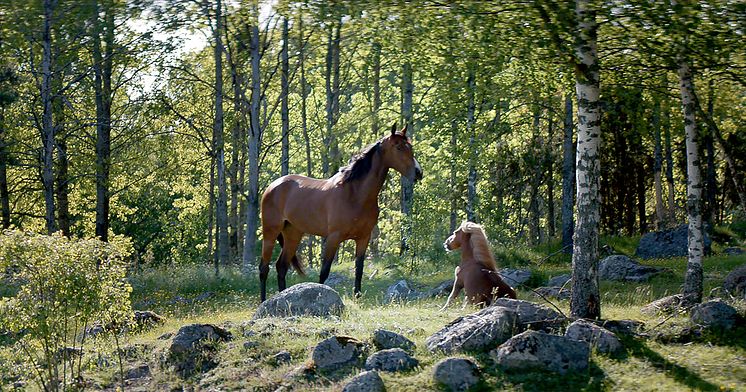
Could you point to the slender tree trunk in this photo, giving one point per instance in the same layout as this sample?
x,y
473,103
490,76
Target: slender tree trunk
x,y
711,176
285,159
62,178
550,179
255,140
304,119
669,171
407,186
236,142
4,161
221,209
641,199
211,212
568,176
325,167
453,177
533,206
471,187
660,214
47,131
103,69
376,49
586,301
334,153
694,276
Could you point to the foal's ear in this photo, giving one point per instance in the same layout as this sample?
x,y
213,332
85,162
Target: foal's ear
x,y
404,130
393,129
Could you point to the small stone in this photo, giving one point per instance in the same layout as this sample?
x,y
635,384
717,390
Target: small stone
x,y
138,372
399,291
456,374
515,277
532,315
391,360
552,292
337,352
559,281
622,268
250,344
532,350
735,282
667,304
603,340
367,381
383,339
714,314
282,357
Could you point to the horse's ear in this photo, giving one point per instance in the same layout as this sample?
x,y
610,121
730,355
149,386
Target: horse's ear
x,y
393,129
404,130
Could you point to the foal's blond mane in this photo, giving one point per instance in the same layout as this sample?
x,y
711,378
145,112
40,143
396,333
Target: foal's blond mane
x,y
480,245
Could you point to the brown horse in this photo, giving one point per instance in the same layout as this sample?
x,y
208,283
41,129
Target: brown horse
x,y
477,274
340,208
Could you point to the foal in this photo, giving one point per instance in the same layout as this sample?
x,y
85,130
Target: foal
x,y
477,273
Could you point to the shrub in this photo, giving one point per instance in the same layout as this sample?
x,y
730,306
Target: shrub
x,y
63,285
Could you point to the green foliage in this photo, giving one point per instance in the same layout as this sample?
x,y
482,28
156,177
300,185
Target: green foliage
x,y
63,286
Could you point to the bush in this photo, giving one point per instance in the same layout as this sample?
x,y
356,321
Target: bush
x,y
63,285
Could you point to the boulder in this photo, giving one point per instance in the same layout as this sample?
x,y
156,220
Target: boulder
x,y
456,374
282,358
622,268
514,277
735,282
137,372
304,299
475,332
532,315
667,304
368,381
391,360
147,319
400,291
714,314
383,340
532,350
553,292
603,340
193,348
623,327
337,352
441,290
335,280
559,281
667,243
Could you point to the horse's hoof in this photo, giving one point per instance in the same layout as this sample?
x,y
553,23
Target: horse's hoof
x,y
358,295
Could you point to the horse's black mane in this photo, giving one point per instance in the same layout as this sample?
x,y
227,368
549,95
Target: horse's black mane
x,y
360,163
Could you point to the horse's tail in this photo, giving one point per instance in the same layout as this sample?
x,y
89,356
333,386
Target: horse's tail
x,y
295,262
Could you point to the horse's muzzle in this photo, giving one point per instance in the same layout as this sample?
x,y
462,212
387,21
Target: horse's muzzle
x,y
417,172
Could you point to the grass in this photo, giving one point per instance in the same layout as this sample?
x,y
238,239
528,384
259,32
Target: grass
x,y
716,362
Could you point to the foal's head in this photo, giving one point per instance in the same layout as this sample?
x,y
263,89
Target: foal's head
x,y
474,235
396,151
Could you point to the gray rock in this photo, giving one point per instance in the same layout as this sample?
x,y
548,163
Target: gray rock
x,y
532,315
147,319
532,350
250,344
735,282
137,372
384,339
667,304
166,336
304,299
734,251
400,291
553,292
368,381
391,360
193,348
667,243
603,340
559,281
475,332
335,280
282,357
456,374
441,290
337,352
622,268
714,314
514,277
623,327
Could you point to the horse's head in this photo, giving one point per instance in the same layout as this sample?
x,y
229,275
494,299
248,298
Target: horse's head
x,y
397,154
455,240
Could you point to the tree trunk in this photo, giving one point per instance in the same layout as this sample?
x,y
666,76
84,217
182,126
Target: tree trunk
x,y
234,221
62,177
334,153
711,176
211,212
325,167
586,301
407,186
453,177
376,49
550,180
533,206
255,140
47,131
568,177
669,171
304,118
4,161
660,214
103,68
285,159
693,279
641,199
471,187
221,209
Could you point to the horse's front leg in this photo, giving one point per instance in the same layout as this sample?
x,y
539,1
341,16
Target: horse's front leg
x,y
361,245
330,250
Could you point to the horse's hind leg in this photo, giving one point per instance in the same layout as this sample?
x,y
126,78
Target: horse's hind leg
x,y
332,244
289,240
361,245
